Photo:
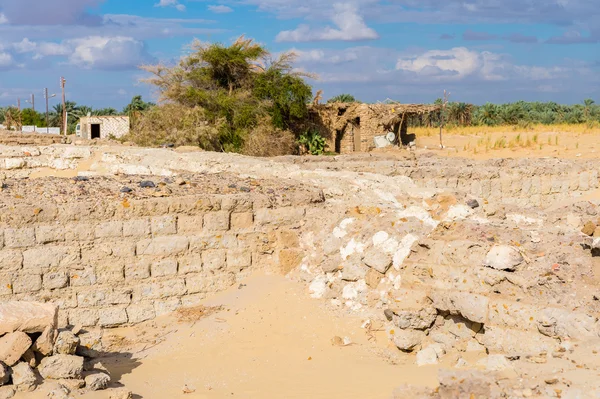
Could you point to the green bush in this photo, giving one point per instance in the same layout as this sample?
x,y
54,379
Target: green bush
x,y
314,143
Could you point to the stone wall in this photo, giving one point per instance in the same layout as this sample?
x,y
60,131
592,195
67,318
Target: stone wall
x,y
110,126
110,264
13,138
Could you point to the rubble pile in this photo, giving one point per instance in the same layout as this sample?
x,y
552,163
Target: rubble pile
x,y
34,353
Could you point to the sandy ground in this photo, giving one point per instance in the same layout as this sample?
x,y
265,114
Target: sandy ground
x,y
270,340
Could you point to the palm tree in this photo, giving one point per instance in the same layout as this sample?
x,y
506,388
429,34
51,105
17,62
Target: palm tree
x,y
105,112
588,103
135,107
343,98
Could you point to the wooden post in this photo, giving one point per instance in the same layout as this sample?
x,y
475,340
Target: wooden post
x,y
64,110
444,102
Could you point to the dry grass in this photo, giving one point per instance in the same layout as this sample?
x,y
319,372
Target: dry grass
x,y
267,141
188,315
583,128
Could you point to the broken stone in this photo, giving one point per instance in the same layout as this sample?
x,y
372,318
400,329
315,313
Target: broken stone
x,y
97,381
503,257
389,314
13,346
515,343
4,374
472,307
430,355
353,272
23,377
120,393
7,392
61,366
147,184
589,228
66,343
373,278
473,203
29,357
494,363
72,383
45,342
90,344
416,319
464,384
28,317
408,340
377,260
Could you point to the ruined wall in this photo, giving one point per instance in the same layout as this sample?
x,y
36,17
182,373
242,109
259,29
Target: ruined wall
x,y
12,138
109,264
116,126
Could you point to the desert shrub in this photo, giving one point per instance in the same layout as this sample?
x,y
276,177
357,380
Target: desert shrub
x,y
266,141
173,124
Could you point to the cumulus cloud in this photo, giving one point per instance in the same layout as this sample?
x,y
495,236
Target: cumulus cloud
x,y
3,19
350,27
107,52
55,12
170,3
219,9
6,60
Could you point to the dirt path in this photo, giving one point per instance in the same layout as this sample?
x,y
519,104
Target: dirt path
x,y
270,341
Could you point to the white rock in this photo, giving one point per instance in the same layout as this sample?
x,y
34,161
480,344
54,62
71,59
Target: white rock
x,y
427,356
97,381
29,317
13,346
403,250
351,248
7,392
503,257
66,343
380,237
407,340
495,363
120,393
377,259
61,366
458,212
23,377
318,287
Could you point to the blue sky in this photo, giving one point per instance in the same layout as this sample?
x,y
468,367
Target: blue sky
x,y
406,50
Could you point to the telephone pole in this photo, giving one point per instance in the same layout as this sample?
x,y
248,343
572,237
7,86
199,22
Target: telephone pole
x,y
32,102
47,119
19,104
64,109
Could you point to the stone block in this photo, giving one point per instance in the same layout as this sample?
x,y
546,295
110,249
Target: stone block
x,y
19,238
140,312
214,259
205,283
82,277
61,366
109,229
110,273
49,234
28,317
213,241
159,289
515,342
190,264
36,260
111,317
139,269
163,225
584,181
6,284
281,216
79,232
12,346
136,228
242,221
83,317
216,221
288,238
55,279
103,297
190,224
164,267
10,260
163,246
238,259
470,306
289,259
165,306
27,283
23,377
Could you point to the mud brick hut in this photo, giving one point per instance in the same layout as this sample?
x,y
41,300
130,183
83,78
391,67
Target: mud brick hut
x,y
103,127
352,127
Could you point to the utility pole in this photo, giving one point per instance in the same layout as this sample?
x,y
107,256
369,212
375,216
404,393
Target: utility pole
x,y
47,98
64,109
19,104
32,102
444,103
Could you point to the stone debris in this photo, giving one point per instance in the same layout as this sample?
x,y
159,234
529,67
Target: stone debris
x,y
20,352
503,257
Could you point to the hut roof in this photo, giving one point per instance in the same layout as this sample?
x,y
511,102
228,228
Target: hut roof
x,y
338,115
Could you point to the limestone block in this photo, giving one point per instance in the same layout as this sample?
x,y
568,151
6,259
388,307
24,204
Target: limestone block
x,y
136,228
109,229
55,280
288,238
23,377
19,238
216,221
515,342
289,259
279,216
137,313
190,264
45,342
66,343
110,273
470,306
164,225
164,267
12,346
111,317
10,260
503,257
49,234
159,289
28,317
27,283
139,269
103,297
242,220
97,380
79,232
213,241
61,366
214,259
163,246
205,283
238,259
407,340
35,260
378,260
82,277
190,224
84,317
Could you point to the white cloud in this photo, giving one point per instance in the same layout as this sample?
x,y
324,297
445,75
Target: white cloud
x,y
106,52
3,19
171,3
350,27
6,60
220,9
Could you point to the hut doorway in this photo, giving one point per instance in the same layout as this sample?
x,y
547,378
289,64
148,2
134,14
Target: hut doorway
x,y
95,131
339,135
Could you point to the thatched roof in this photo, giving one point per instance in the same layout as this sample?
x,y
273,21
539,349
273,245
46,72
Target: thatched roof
x,y
338,115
